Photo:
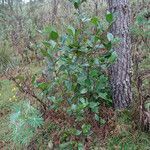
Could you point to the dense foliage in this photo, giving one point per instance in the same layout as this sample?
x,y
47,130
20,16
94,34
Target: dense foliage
x,y
78,63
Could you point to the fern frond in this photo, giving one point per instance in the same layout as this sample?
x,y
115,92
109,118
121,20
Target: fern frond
x,y
24,121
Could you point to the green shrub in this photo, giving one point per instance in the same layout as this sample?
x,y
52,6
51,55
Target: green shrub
x,y
78,63
78,82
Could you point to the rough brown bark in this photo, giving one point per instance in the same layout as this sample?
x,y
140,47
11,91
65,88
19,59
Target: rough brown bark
x,y
121,70
54,11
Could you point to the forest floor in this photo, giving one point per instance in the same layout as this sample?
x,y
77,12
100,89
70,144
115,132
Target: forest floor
x,y
116,134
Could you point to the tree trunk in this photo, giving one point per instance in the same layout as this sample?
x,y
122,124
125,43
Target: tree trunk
x,y
121,71
96,7
54,11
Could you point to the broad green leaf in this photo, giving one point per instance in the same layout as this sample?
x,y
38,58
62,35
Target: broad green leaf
x,y
78,132
113,57
53,43
94,73
95,20
33,79
52,98
83,91
71,30
68,84
80,146
108,45
54,35
76,5
87,82
93,104
81,79
50,30
67,145
82,100
109,17
94,107
103,95
102,121
96,117
110,37
86,128
147,106
96,61
73,107
42,86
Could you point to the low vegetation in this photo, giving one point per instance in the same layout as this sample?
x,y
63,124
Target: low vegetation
x,y
55,90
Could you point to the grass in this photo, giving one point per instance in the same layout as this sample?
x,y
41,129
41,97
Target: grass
x,y
135,140
127,138
9,95
7,99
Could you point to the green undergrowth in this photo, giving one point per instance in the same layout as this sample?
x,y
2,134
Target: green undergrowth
x,y
128,140
7,99
7,94
123,137
126,137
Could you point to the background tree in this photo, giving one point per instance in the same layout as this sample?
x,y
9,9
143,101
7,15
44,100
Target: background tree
x,y
121,70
